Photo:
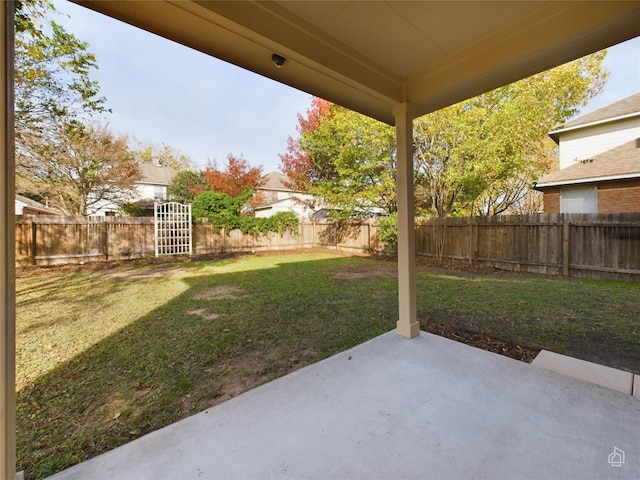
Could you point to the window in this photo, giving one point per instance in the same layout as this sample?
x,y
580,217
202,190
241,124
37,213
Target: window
x,y
579,200
158,192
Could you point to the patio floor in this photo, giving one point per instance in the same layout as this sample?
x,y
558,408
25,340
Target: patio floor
x,y
396,408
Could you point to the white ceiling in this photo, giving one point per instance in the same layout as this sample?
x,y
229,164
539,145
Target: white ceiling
x,y
372,55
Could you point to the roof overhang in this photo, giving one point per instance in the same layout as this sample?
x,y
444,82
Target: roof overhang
x,y
372,55
555,134
581,181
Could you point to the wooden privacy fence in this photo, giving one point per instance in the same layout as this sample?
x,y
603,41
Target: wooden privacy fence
x,y
52,240
577,245
599,246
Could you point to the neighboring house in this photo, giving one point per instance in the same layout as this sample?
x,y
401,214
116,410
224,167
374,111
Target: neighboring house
x,y
150,188
154,182
27,206
277,197
599,162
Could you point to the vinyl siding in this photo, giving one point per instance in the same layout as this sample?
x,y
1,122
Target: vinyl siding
x,y
587,142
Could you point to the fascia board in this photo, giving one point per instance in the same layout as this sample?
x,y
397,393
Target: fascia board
x,y
577,181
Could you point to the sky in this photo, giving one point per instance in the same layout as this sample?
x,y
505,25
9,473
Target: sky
x,y
162,92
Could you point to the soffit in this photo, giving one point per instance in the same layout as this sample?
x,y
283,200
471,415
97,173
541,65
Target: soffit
x,y
371,55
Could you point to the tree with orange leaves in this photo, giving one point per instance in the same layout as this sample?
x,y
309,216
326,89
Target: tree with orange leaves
x,y
235,177
296,164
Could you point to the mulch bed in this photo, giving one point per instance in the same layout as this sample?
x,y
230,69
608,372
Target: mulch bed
x,y
484,342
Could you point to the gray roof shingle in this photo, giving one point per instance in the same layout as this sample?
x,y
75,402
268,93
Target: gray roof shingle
x,y
620,108
623,160
275,181
156,174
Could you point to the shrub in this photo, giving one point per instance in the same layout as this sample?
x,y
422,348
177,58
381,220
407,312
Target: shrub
x,y
388,232
135,210
212,204
279,223
224,212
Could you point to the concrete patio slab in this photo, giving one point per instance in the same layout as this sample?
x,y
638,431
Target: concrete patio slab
x,y
395,408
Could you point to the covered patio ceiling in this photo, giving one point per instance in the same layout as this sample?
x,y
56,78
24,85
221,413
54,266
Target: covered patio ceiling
x,y
372,55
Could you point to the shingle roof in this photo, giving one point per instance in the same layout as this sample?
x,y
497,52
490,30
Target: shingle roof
x,y
620,162
275,181
623,107
156,174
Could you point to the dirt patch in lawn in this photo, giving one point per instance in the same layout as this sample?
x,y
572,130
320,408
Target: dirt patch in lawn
x,y
139,273
241,376
366,272
236,376
113,409
203,313
220,293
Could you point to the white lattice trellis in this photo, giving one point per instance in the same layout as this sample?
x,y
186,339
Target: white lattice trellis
x,y
172,229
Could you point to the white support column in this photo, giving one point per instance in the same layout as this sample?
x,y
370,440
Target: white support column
x,y
407,325
7,239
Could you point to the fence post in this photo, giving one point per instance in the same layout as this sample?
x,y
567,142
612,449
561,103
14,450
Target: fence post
x,y
85,249
300,239
105,239
476,240
566,244
471,240
34,243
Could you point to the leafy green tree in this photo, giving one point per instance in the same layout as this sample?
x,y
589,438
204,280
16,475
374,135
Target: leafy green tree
x,y
439,166
187,185
54,98
164,155
52,72
346,159
480,156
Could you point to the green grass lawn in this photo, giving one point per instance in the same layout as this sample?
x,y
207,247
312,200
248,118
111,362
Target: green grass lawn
x,y
104,357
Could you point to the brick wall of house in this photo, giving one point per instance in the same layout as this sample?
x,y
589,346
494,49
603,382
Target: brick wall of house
x,y
618,197
551,200
613,197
